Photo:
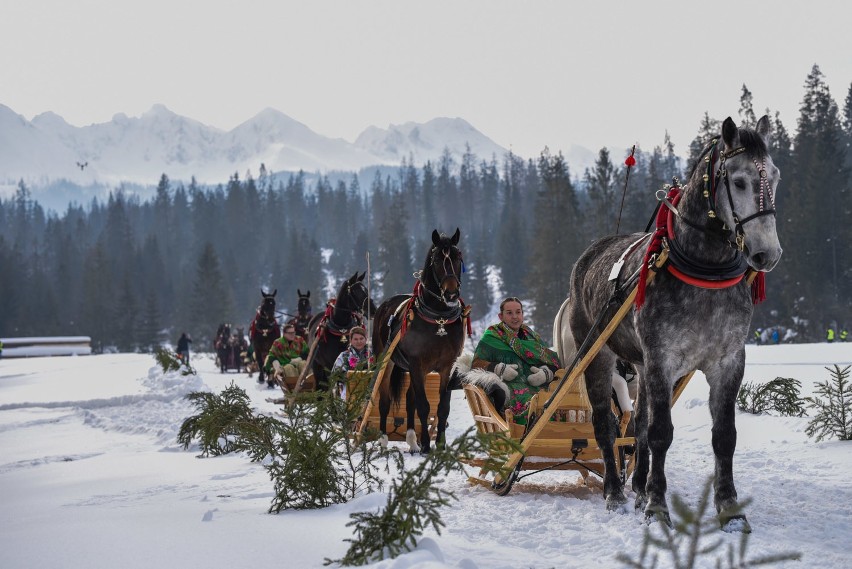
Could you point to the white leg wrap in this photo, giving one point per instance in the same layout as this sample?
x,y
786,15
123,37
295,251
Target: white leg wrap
x,y
411,439
621,393
383,441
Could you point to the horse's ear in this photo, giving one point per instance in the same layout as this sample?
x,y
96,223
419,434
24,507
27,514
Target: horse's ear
x,y
308,294
730,133
354,277
274,292
763,128
436,238
364,274
456,235
299,291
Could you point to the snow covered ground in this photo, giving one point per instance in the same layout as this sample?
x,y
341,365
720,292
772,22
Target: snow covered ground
x,y
91,476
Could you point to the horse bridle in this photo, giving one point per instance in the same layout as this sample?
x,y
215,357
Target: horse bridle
x,y
447,273
717,227
710,178
351,297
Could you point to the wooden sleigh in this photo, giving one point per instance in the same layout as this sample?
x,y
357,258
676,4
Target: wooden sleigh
x,y
358,385
567,443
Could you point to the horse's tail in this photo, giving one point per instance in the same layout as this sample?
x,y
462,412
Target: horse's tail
x,y
396,381
563,338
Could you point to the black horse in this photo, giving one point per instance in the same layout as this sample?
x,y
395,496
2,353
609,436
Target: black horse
x,y
695,314
263,332
431,321
303,316
330,329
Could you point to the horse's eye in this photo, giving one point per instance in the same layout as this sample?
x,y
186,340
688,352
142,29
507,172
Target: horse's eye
x,y
739,184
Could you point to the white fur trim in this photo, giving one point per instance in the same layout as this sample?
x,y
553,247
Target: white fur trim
x,y
484,379
462,363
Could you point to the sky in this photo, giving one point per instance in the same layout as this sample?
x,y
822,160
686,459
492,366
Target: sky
x,y
92,477
526,74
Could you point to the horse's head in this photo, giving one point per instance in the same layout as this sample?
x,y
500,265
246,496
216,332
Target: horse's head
x,y
304,307
444,264
267,305
359,298
745,190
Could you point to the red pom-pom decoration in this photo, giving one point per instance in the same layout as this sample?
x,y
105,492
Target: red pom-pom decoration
x,y
630,162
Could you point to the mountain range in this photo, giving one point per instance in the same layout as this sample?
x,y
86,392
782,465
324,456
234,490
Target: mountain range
x,y
135,151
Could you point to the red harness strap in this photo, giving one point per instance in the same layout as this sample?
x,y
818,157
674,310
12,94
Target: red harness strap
x,y
665,227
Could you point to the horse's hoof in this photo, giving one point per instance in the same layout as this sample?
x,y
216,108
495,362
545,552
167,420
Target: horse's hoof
x,y
658,516
641,502
383,442
425,452
616,503
734,524
270,385
260,380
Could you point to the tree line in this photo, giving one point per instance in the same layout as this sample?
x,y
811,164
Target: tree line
x,y
132,273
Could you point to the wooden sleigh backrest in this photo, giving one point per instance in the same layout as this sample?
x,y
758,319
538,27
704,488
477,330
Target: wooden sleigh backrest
x,y
396,422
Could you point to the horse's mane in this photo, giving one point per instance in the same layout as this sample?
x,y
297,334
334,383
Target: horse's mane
x,y
753,143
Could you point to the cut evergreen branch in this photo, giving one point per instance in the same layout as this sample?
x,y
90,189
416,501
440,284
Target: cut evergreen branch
x,y
781,395
226,423
309,455
323,465
693,537
415,500
169,361
833,403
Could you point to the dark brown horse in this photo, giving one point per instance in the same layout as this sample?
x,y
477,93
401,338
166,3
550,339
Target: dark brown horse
x,y
263,332
303,316
330,330
431,321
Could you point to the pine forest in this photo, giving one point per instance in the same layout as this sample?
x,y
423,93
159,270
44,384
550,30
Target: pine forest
x,y
133,274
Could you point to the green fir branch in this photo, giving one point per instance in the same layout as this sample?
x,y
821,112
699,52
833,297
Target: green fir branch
x,y
780,395
833,403
694,536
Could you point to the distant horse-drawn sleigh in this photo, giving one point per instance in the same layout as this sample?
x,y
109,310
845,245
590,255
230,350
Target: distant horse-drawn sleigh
x,y
230,347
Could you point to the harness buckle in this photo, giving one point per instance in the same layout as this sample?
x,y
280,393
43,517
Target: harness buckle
x,y
740,241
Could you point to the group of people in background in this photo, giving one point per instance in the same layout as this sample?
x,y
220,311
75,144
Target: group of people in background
x,y
288,355
833,334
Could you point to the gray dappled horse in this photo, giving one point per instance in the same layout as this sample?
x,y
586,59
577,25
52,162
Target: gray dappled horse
x,y
683,326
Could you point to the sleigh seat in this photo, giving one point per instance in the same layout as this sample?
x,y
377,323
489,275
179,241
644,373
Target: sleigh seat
x,y
567,441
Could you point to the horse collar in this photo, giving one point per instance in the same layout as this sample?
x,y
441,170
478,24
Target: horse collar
x,y
441,318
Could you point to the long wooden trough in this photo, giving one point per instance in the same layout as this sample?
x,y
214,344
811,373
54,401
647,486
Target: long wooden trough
x,y
36,346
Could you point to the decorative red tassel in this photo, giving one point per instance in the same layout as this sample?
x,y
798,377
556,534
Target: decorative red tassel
x,y
630,162
758,288
656,244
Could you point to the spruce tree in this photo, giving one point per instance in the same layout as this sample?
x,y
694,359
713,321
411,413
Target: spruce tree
x,y
816,209
600,185
708,128
210,303
746,112
555,246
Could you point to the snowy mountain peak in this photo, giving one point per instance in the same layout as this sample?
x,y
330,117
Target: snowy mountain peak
x,y
140,149
428,140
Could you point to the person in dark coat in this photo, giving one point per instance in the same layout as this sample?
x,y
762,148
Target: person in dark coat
x,y
183,347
